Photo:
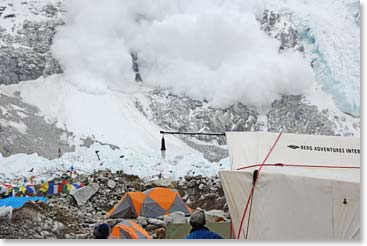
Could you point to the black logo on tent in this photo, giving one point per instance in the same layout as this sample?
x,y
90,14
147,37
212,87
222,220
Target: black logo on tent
x,y
293,146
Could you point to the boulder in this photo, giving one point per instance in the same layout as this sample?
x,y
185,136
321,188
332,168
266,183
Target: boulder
x,y
160,233
6,213
213,216
177,217
159,183
191,183
157,222
82,195
142,221
111,184
82,236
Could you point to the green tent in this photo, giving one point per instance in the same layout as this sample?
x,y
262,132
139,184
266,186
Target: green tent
x,y
181,231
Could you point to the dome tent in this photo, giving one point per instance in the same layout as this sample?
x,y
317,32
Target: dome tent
x,y
128,229
151,203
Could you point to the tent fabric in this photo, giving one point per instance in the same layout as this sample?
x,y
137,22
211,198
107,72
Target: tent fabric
x,y
152,208
182,230
249,148
152,203
287,207
125,208
17,202
128,229
296,202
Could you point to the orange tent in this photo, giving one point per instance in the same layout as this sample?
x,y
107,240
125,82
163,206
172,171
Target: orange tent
x,y
151,203
128,229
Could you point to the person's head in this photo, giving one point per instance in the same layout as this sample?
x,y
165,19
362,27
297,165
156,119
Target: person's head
x,y
102,231
197,218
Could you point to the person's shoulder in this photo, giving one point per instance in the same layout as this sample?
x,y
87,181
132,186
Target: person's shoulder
x,y
215,235
190,236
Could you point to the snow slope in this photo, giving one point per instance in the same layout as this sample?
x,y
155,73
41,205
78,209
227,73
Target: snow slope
x,y
111,118
329,31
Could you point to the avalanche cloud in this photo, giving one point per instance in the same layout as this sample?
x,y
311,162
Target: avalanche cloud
x,y
213,50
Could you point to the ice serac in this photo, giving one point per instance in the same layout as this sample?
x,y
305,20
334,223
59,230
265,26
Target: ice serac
x,y
328,33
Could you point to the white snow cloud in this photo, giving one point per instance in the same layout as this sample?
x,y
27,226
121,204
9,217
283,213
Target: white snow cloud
x,y
204,49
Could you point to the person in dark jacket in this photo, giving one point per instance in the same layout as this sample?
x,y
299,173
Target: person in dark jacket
x,y
102,231
199,231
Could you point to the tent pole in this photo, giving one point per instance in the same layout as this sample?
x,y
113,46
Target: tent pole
x,y
254,178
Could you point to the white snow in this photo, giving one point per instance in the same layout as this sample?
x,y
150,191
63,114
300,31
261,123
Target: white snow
x,y
18,125
24,11
111,118
84,161
187,46
333,38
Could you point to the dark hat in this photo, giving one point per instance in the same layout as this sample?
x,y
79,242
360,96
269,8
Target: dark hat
x,y
102,231
197,218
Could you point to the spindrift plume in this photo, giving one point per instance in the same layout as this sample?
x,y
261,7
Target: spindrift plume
x,y
213,50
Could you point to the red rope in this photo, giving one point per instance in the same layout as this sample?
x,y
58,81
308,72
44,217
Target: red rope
x,y
300,165
253,187
230,229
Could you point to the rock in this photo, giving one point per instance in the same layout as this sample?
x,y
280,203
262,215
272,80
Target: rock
x,y
6,213
57,226
185,197
83,194
159,183
160,233
151,227
210,196
142,221
111,184
201,186
218,185
175,218
82,236
79,220
192,183
41,137
188,178
45,234
214,216
188,202
157,222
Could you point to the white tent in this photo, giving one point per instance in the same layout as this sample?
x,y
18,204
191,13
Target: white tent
x,y
307,189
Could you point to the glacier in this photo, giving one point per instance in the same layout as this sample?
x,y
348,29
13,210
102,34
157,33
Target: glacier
x,y
330,34
84,87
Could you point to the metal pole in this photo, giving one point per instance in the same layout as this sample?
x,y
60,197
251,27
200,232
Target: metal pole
x,y
193,133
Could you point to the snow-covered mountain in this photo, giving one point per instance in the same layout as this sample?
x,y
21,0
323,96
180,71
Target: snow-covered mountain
x,y
68,69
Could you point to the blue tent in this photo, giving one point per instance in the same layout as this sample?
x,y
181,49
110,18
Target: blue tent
x,y
17,202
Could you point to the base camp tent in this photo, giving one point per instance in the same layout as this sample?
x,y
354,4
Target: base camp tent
x,y
128,229
152,203
293,187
